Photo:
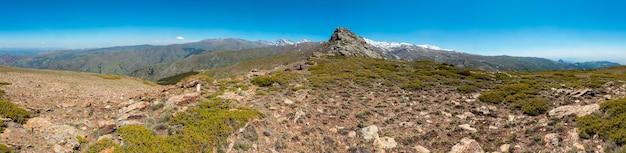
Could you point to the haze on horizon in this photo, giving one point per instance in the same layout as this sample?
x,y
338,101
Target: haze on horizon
x,y
572,30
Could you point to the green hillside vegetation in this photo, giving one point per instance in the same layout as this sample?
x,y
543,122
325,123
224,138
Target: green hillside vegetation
x,y
222,64
203,128
610,125
512,89
267,63
175,78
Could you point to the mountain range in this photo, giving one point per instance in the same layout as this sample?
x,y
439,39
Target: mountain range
x,y
157,62
347,94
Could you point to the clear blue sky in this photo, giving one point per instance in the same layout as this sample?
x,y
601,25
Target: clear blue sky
x,y
568,29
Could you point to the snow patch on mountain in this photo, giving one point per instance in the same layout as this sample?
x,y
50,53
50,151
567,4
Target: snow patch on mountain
x,y
391,45
287,42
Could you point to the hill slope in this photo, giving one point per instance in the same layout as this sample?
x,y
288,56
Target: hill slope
x,y
218,59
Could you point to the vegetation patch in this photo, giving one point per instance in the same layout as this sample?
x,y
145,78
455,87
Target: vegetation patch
x,y
175,78
354,72
609,125
5,149
10,110
4,83
282,78
103,144
108,76
533,106
203,128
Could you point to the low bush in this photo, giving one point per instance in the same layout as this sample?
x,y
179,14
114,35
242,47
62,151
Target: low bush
x,y
466,89
263,81
108,76
492,97
610,126
10,110
533,106
413,85
175,78
101,145
5,149
203,128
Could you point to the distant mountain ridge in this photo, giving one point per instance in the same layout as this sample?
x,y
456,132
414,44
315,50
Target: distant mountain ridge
x,y
156,62
411,52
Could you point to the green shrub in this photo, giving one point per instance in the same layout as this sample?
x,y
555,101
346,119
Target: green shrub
x,y
533,107
263,81
610,126
108,76
157,106
4,83
614,107
241,146
81,139
5,149
102,145
492,97
466,89
205,127
412,85
198,76
175,78
10,110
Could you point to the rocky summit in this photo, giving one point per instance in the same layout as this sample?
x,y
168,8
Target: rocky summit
x,y
344,42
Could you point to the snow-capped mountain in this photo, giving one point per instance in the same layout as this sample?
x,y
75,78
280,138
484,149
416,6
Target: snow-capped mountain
x,y
387,46
287,42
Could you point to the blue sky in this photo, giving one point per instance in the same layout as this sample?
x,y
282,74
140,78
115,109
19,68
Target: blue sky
x,y
573,30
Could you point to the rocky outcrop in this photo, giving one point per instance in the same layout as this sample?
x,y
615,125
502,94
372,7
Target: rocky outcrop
x,y
467,145
563,111
345,43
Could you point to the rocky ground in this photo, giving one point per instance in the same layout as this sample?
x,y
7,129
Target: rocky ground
x,y
298,118
66,104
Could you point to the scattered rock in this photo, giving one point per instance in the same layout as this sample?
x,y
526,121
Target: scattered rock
x,y
467,145
607,97
484,110
505,148
552,140
288,102
135,106
582,92
421,149
579,146
267,133
385,143
351,134
184,99
467,127
370,132
36,122
62,137
569,110
299,114
107,127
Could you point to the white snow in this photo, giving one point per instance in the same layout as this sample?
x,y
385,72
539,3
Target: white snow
x,y
390,45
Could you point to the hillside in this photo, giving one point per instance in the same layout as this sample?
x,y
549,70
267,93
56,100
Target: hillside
x,y
217,59
334,104
330,97
66,105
